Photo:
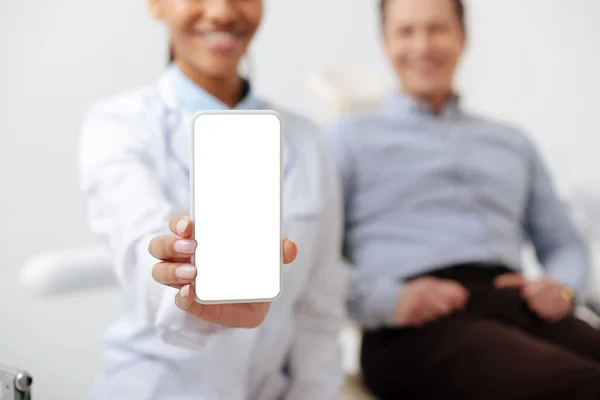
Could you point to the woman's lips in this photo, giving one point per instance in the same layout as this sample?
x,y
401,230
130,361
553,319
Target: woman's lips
x,y
220,41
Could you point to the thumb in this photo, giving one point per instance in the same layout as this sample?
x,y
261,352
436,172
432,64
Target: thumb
x,y
457,293
509,281
290,251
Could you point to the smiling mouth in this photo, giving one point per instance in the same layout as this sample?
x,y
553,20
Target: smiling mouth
x,y
426,66
222,41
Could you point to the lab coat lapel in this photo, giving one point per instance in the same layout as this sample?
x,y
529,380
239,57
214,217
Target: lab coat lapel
x,y
177,124
302,182
181,140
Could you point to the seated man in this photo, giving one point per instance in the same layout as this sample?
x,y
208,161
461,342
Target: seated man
x,y
438,206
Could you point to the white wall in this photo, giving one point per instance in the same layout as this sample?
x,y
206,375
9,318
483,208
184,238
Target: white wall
x,y
533,62
537,63
56,57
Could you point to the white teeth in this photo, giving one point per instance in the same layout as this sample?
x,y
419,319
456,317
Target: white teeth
x,y
220,36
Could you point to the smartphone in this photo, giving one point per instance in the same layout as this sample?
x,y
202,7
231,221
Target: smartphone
x,y
16,384
236,205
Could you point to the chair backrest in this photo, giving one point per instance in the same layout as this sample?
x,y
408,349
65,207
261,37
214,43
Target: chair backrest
x,y
346,90
68,270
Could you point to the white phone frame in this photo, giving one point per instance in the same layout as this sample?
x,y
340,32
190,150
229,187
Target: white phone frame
x,y
192,197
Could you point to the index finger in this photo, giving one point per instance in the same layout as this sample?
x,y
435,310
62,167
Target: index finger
x,y
181,225
457,292
172,248
509,281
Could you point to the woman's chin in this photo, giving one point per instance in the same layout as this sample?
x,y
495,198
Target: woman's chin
x,y
220,69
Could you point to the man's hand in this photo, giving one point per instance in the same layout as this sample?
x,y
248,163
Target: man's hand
x,y
549,300
175,270
427,299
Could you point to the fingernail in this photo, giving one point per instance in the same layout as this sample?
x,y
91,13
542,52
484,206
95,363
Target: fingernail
x,y
182,225
184,291
186,272
185,246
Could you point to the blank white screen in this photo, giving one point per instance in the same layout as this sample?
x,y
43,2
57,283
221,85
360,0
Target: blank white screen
x,y
236,206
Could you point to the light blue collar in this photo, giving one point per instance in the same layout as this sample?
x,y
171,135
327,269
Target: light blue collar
x,y
192,98
398,103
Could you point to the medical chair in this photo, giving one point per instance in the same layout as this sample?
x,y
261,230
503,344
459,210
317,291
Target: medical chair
x,y
72,270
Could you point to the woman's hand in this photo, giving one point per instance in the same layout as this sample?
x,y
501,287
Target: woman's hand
x,y
175,270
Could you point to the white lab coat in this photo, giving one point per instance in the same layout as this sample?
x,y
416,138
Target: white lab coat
x,y
133,162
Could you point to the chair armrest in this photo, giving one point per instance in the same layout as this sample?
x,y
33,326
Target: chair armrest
x,y
593,298
68,270
588,315
350,338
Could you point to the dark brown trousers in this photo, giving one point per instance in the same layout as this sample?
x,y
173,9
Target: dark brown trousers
x,y
495,349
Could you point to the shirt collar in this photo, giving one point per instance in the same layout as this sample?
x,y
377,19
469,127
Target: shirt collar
x,y
192,98
398,103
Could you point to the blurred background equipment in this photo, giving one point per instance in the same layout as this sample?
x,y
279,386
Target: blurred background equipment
x,y
15,384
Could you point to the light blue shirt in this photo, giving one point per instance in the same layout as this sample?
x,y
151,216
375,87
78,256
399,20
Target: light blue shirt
x,y
425,191
193,98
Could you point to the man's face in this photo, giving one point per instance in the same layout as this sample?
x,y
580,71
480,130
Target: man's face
x,y
424,40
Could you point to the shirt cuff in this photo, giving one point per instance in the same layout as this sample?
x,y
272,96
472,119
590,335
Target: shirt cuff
x,y
179,328
578,288
384,300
